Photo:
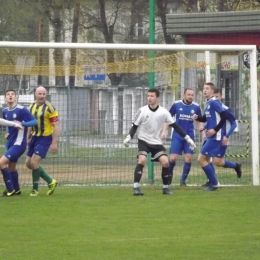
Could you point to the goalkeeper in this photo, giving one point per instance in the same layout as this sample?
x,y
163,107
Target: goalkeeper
x,y
148,123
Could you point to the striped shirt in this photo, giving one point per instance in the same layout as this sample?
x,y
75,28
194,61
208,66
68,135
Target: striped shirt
x,y
45,115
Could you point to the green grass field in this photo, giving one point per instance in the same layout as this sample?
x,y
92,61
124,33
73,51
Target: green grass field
x,y
110,223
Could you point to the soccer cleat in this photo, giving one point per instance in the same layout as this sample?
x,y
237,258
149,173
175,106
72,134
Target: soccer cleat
x,y
166,191
34,193
238,170
4,194
52,187
206,184
183,183
138,192
18,192
11,193
211,188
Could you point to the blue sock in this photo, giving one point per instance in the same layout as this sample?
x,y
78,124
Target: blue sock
x,y
211,164
210,172
171,167
14,176
229,164
185,172
7,179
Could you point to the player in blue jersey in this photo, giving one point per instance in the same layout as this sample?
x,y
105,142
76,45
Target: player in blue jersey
x,y
215,116
16,142
227,129
183,111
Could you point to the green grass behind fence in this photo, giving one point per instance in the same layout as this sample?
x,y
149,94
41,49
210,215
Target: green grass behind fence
x,y
110,223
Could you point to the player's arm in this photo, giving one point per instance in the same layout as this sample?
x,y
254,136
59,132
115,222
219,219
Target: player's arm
x,y
181,132
164,130
130,135
223,118
28,119
33,122
55,134
232,128
199,118
201,128
16,124
200,125
213,131
136,122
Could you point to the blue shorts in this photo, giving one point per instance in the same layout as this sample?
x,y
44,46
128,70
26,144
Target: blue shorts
x,y
222,151
39,145
213,148
15,152
178,146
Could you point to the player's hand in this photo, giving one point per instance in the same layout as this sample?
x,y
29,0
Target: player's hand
x,y
210,132
190,142
54,148
163,135
194,117
6,136
18,125
225,141
127,140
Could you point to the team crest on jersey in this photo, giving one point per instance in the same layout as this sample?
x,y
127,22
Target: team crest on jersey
x,y
192,111
14,115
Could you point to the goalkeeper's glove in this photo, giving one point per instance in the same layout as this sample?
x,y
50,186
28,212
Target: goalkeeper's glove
x,y
190,142
127,140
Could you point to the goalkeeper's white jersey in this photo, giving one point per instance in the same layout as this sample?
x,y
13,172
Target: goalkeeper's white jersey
x,y
150,123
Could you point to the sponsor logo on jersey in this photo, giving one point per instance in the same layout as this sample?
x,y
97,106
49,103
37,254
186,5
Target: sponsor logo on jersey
x,y
180,109
184,116
192,111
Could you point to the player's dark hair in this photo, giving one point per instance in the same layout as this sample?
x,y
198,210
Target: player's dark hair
x,y
154,90
10,90
212,86
186,89
218,91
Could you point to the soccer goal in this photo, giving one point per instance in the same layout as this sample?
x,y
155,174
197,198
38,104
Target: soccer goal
x,y
97,89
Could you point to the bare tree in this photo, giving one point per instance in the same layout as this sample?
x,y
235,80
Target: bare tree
x,y
75,29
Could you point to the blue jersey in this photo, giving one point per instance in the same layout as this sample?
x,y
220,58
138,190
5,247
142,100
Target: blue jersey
x,y
21,114
183,116
213,108
230,120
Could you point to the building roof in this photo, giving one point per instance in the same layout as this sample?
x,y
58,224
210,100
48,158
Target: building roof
x,y
213,22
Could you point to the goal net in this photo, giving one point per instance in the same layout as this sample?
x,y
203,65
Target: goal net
x,y
98,88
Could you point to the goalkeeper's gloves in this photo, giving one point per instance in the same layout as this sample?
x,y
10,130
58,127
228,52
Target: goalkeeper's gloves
x,y
127,140
190,142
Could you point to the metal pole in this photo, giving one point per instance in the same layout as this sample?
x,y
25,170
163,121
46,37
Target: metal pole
x,y
151,73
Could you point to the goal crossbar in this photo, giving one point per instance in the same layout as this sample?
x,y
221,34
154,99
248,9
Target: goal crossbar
x,y
173,47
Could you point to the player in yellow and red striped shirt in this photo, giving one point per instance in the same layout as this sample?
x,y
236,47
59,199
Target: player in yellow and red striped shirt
x,y
41,138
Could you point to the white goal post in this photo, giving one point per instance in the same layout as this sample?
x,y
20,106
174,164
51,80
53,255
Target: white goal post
x,y
252,49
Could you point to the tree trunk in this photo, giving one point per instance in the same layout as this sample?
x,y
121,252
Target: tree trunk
x,y
40,54
75,28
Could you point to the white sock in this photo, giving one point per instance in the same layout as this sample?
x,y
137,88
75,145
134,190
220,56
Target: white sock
x,y
136,184
165,186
